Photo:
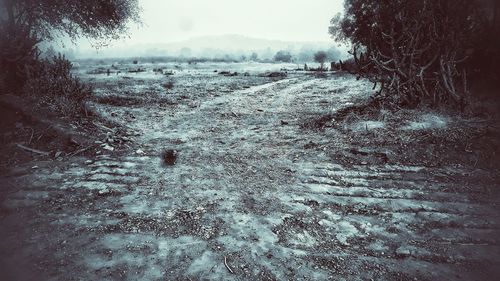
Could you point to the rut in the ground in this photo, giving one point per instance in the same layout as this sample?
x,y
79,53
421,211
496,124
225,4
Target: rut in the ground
x,y
252,191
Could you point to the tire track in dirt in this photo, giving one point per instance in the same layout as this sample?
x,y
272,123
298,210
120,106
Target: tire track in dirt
x,y
253,188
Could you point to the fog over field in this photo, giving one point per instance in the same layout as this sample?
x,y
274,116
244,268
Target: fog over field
x,y
221,27
234,46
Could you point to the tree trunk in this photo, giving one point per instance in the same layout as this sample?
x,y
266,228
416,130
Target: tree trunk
x,y
9,7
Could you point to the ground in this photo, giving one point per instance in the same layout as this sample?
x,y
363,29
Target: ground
x,y
276,178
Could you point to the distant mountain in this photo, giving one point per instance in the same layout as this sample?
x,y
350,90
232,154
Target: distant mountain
x,y
210,46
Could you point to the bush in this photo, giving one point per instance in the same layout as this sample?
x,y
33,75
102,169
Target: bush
x,y
418,51
283,56
348,65
17,51
51,83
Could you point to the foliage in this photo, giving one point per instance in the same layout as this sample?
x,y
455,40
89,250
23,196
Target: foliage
x,y
50,81
17,50
283,56
91,18
25,23
320,57
417,50
348,65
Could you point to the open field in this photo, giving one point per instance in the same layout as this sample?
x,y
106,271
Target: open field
x,y
262,188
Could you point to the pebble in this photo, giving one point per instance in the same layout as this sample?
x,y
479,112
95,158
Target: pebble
x,y
108,147
403,251
104,191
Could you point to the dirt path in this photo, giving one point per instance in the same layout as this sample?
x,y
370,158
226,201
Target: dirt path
x,y
253,196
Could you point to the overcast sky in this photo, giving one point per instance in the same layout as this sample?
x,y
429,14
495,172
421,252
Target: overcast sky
x,y
168,21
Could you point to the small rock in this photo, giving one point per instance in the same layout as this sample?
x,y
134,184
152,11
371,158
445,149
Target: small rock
x,y
403,252
108,147
88,162
283,122
34,167
169,157
139,151
104,191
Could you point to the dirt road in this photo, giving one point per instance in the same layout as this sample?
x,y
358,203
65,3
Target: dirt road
x,y
253,196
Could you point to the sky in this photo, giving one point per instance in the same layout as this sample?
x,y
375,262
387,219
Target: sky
x,y
166,21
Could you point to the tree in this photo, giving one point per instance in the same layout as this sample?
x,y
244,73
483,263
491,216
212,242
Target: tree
x,y
254,56
320,57
283,56
417,51
26,23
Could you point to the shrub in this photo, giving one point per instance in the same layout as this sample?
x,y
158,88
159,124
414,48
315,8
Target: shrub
x,y
348,65
283,56
17,52
418,51
51,83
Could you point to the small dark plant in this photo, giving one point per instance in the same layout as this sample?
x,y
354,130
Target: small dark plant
x,y
169,85
169,157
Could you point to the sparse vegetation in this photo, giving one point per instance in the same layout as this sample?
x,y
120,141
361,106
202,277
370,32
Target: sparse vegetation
x,y
51,83
24,24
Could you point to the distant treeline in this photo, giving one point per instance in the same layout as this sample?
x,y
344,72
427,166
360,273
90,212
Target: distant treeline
x,y
157,59
303,56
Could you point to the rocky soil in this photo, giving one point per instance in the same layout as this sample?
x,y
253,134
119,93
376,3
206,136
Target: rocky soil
x,y
259,190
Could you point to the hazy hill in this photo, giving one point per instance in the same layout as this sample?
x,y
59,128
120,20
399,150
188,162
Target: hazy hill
x,y
210,46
